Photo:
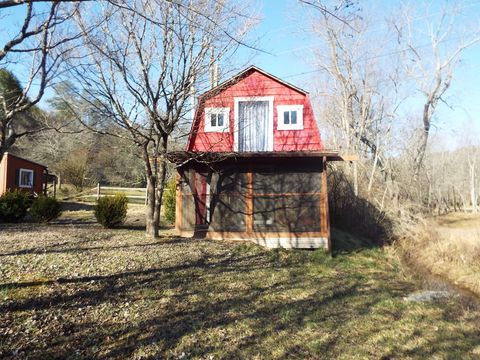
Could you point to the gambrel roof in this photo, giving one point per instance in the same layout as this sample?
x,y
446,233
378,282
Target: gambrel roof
x,y
244,72
254,82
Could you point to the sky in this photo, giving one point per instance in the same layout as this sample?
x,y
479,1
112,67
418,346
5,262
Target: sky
x,y
287,47
285,36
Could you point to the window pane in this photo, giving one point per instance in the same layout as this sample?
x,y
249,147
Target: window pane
x,y
213,120
286,213
228,212
278,182
220,119
286,117
230,181
293,116
26,178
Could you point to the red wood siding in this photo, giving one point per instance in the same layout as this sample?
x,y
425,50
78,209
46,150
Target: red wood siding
x,y
257,84
8,168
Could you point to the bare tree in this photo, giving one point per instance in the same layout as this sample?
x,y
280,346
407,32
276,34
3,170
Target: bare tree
x,y
472,172
469,155
431,63
339,11
39,46
367,79
136,72
359,93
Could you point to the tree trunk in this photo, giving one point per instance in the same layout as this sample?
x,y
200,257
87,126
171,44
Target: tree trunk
x,y
454,199
6,141
372,174
159,191
162,172
151,226
473,195
422,148
355,178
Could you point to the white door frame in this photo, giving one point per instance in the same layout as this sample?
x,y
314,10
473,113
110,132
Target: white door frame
x,y
237,118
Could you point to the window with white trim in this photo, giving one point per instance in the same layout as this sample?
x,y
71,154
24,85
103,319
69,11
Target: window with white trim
x,y
217,119
290,117
25,179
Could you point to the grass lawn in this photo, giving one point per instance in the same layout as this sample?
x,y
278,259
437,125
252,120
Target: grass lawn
x,y
74,290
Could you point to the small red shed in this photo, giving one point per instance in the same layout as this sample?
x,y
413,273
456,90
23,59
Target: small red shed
x,y
255,166
22,174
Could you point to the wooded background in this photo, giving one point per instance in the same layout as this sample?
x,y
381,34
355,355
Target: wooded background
x,y
121,77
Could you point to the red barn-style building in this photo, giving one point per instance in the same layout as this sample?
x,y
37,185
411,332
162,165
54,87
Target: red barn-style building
x,y
255,166
22,174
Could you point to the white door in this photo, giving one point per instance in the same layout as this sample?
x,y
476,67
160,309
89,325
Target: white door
x,y
255,128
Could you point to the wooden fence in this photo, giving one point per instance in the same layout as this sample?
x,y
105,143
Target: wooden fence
x,y
134,195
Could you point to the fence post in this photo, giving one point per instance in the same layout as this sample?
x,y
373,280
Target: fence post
x,y
146,195
98,191
54,188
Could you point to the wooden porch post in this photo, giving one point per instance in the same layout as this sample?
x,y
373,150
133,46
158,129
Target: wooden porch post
x,y
249,203
324,211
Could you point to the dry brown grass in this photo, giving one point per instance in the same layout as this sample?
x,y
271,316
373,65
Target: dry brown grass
x,y
449,247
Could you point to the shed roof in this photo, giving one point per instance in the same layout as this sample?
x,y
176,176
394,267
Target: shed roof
x,y
238,76
21,158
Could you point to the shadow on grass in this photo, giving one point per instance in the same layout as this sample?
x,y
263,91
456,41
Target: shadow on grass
x,y
131,226
261,304
363,224
76,206
344,242
230,301
54,250
64,248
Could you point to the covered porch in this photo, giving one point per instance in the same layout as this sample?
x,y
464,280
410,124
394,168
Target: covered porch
x,y
277,199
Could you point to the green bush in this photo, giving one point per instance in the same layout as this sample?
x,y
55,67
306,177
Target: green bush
x,y
111,211
13,205
169,199
44,209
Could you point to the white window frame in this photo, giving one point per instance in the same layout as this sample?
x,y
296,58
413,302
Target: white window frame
x,y
226,119
237,100
281,109
20,178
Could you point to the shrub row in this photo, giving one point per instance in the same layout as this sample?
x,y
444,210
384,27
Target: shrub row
x,y
14,206
110,211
